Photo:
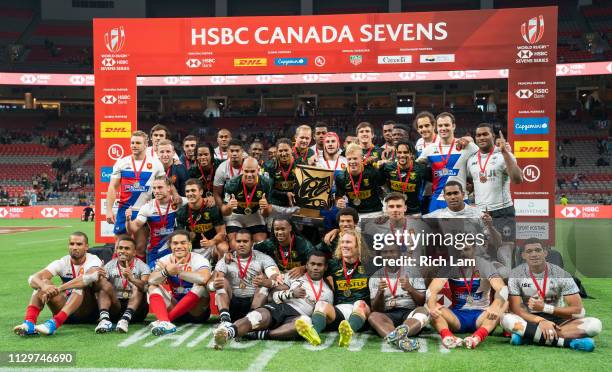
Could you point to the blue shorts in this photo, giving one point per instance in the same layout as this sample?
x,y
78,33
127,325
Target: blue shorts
x,y
120,221
467,319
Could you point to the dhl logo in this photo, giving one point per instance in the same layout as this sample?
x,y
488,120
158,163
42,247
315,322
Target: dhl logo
x,y
531,149
115,129
250,62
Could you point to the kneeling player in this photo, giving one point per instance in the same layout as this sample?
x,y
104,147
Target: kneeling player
x,y
293,301
178,283
471,309
78,271
351,294
537,315
121,295
238,281
396,292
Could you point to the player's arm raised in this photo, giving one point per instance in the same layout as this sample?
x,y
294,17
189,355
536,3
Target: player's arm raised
x,y
431,296
111,196
514,171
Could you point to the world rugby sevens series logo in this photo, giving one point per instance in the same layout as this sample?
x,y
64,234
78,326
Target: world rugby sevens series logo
x,y
533,30
114,39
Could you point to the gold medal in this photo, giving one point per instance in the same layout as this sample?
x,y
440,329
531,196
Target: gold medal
x,y
347,293
285,184
248,211
357,202
392,303
242,284
125,295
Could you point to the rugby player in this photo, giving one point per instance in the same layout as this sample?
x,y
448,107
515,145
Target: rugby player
x,y
158,133
205,222
294,299
288,249
282,174
224,137
347,219
73,300
122,289
350,309
228,169
545,304
132,178
237,281
175,172
365,135
188,158
400,133
256,150
302,151
177,286
320,129
388,148
425,125
331,158
204,169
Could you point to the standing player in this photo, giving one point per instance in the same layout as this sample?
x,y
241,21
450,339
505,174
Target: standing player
x,y
446,160
122,291
425,125
351,295
288,249
247,206
132,177
160,216
158,133
175,172
320,132
188,158
78,272
237,282
302,151
400,133
470,285
331,158
294,299
204,169
360,183
224,137
365,135
545,304
206,223
406,176
282,174
178,284
228,169
388,149
397,296
256,150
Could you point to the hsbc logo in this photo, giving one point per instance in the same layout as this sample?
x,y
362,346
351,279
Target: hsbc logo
x,y
525,53
562,70
571,212
533,30
524,93
503,73
108,62
263,78
537,93
456,74
311,78
3,212
28,79
193,63
115,151
115,39
48,212
361,76
217,79
77,80
609,67
171,80
109,100
407,75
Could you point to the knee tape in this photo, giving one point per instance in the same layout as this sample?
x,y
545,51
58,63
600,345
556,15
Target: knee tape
x,y
254,317
423,318
509,321
591,326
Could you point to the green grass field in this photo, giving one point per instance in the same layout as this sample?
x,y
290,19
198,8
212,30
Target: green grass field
x,y
21,254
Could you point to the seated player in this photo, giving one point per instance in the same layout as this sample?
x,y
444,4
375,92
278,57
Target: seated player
x,y
397,296
205,222
545,306
75,298
160,215
295,298
350,310
288,249
122,291
178,284
471,309
238,281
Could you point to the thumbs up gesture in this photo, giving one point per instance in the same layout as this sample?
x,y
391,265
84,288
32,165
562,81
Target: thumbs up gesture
x,y
263,202
233,203
299,292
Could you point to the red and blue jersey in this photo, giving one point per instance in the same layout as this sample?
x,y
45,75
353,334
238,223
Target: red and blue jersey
x,y
161,219
135,184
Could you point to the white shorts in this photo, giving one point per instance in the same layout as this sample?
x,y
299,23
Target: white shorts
x,y
237,220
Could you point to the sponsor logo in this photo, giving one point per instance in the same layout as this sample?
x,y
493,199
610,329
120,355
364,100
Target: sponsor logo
x,y
290,61
456,74
524,54
197,62
250,62
571,212
3,212
108,62
531,173
363,76
115,151
28,79
526,230
109,99
437,58
531,149
115,129
48,212
319,61
115,39
531,125
524,93
105,174
533,30
394,60
356,59
583,211
531,207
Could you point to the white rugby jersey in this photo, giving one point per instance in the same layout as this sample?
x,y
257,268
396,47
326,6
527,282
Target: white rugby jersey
x,y
402,299
195,262
559,283
493,194
68,271
260,263
113,275
420,144
225,172
342,164
305,306
132,195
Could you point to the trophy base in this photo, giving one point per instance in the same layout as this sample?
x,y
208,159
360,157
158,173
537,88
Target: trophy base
x,y
307,212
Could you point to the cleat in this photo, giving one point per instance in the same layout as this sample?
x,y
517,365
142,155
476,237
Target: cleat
x,y
516,339
163,328
407,344
104,326
307,331
25,329
471,342
451,342
251,336
397,334
346,333
221,336
583,344
47,328
122,326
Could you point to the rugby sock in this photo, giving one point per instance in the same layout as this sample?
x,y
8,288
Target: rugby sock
x,y
184,305
32,313
318,321
481,333
224,315
104,315
355,321
127,315
60,318
158,307
263,335
446,333
232,331
534,334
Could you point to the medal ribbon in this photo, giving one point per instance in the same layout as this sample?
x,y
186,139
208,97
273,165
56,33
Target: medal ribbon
x,y
286,174
124,282
399,175
393,289
482,168
282,253
335,166
231,169
367,156
450,149
137,174
356,189
248,197
299,155
345,272
208,179
242,273
163,219
192,222
541,290
468,287
316,295
184,267
74,275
